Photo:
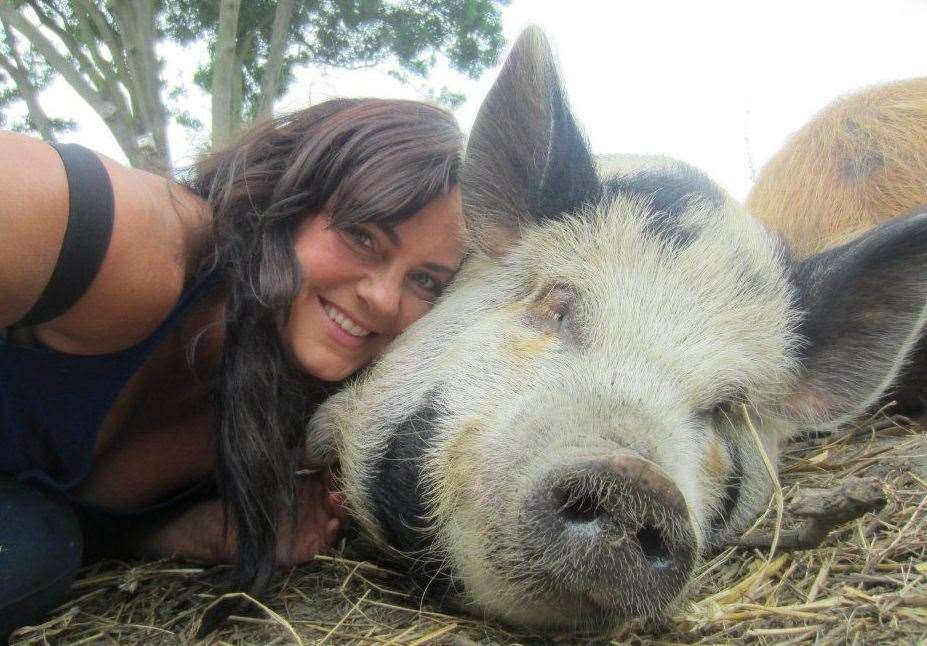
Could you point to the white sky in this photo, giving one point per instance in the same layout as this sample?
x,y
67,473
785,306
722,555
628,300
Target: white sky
x,y
713,82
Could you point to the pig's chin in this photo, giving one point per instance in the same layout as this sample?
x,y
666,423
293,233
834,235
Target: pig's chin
x,y
561,610
550,600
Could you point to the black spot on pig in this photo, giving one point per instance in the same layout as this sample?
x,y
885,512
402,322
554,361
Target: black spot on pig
x,y
669,194
395,485
732,486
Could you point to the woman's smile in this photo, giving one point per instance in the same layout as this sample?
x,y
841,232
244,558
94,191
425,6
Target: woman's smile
x,y
342,327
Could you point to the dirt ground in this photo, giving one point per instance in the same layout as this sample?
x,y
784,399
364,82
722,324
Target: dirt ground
x,y
865,584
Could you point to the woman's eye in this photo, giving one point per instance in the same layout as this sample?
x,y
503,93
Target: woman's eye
x,y
361,237
427,283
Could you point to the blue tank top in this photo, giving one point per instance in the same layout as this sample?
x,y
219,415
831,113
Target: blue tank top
x,y
52,404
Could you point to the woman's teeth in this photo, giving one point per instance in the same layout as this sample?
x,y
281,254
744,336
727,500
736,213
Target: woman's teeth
x,y
345,323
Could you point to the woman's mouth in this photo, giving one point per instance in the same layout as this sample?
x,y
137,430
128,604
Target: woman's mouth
x,y
344,322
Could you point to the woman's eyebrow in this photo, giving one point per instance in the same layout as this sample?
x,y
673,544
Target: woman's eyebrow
x,y
390,233
440,268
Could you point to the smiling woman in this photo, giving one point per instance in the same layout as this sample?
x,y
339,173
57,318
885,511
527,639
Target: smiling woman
x,y
165,343
366,284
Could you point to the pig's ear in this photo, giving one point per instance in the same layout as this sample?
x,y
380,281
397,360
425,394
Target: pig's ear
x,y
526,159
863,310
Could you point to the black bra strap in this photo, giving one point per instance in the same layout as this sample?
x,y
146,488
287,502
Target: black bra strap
x,y
86,239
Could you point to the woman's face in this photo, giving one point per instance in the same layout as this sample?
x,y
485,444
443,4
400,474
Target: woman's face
x,y
364,285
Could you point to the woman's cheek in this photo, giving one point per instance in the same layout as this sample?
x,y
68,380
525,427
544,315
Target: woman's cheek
x,y
415,311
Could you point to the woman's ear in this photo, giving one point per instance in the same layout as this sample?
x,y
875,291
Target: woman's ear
x,y
864,306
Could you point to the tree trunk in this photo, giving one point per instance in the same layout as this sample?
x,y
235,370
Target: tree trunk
x,y
270,81
151,79
236,101
137,27
224,71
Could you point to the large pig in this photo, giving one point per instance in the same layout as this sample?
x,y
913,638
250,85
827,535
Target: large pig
x,y
573,425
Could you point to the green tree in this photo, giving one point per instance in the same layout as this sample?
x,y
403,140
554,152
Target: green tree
x,y
23,76
108,52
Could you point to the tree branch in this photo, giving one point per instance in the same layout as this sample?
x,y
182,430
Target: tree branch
x,y
105,107
136,26
56,60
125,17
101,73
107,68
823,510
108,35
27,90
96,76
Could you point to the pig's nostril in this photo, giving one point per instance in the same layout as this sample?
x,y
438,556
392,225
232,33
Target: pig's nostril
x,y
579,509
654,547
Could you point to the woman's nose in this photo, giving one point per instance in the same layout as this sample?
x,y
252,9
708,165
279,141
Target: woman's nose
x,y
381,292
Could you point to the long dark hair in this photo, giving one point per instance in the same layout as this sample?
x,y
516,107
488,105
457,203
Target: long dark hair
x,y
360,160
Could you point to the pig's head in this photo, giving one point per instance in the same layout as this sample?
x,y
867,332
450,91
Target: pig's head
x,y
569,429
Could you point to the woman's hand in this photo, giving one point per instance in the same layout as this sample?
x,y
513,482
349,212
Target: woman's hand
x,y
199,533
320,517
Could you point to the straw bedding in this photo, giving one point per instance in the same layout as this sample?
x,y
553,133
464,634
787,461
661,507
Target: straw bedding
x,y
865,584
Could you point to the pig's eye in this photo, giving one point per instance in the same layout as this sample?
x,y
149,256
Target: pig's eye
x,y
553,309
721,410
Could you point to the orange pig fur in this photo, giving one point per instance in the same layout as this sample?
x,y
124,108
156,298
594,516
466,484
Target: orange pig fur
x,y
860,161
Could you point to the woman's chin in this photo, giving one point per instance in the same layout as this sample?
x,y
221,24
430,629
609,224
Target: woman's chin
x,y
328,366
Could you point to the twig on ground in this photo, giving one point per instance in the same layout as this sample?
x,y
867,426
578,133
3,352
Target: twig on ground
x,y
823,510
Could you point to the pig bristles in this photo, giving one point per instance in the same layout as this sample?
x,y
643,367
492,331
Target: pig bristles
x,y
864,583
773,477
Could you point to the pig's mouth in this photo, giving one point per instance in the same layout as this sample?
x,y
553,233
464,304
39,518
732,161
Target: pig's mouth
x,y
608,538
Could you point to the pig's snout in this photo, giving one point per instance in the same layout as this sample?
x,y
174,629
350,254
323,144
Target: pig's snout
x,y
628,497
613,532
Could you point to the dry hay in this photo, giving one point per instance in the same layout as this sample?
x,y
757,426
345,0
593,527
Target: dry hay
x,y
865,584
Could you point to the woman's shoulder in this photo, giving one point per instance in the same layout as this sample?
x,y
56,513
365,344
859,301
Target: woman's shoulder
x,y
33,218
157,228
